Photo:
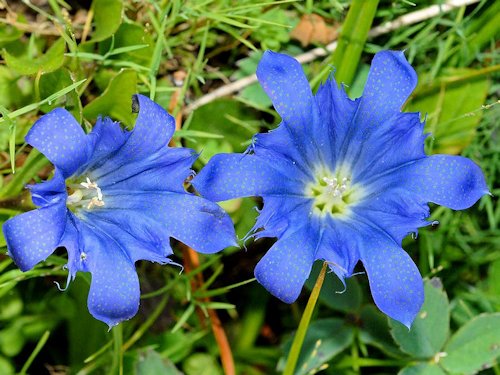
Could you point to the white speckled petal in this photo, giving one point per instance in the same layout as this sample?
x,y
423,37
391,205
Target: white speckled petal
x,y
152,131
285,83
287,265
32,236
395,282
229,176
195,221
166,172
452,181
114,290
390,82
61,139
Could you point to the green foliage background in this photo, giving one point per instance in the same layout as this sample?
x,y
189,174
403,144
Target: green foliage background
x,y
91,56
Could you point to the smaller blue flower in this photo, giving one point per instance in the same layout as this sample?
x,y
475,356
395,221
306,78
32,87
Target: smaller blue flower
x,y
343,181
116,197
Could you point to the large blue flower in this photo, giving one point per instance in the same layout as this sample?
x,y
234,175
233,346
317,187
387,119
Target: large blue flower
x,y
342,181
116,197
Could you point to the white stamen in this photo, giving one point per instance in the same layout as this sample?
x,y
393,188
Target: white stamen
x,y
95,202
82,196
333,186
83,256
75,197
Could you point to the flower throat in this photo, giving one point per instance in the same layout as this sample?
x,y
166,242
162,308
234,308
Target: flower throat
x,y
84,195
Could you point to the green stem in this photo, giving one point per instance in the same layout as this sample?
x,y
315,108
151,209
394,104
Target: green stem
x,y
117,364
298,340
352,39
35,352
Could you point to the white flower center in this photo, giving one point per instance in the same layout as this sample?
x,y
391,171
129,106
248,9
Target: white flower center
x,y
85,194
333,193
335,188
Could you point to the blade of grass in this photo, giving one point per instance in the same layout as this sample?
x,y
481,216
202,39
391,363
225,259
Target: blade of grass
x,y
34,353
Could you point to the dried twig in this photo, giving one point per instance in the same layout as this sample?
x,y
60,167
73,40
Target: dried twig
x,y
407,19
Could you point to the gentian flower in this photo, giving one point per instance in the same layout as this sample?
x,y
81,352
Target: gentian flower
x,y
116,197
342,180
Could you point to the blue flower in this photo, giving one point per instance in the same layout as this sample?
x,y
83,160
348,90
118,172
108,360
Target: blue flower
x,y
116,197
342,181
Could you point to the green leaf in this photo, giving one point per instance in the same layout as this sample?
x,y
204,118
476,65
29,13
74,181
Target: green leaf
x,y
9,33
452,105
234,121
6,367
375,331
422,369
116,100
494,278
152,363
107,18
325,339
50,61
58,80
334,294
11,339
130,35
430,329
12,306
10,93
201,364
474,346
34,162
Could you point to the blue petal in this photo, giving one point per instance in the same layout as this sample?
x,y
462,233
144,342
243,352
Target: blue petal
x,y
61,139
390,82
151,134
166,172
50,191
114,289
143,237
398,141
339,246
193,220
150,246
285,83
397,210
337,111
106,136
229,176
283,143
32,236
452,181
152,131
281,213
286,266
399,223
395,282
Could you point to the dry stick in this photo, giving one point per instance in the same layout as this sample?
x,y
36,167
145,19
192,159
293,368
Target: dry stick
x,y
407,19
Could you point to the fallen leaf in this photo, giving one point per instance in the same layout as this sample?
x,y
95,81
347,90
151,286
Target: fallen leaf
x,y
312,28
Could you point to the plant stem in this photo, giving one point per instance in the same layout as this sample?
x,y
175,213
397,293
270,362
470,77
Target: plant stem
x,y
352,39
117,365
35,352
298,340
